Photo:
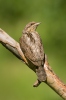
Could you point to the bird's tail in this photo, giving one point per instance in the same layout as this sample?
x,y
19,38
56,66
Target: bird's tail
x,y
41,74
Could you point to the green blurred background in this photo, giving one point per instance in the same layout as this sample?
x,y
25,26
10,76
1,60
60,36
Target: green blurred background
x,y
16,78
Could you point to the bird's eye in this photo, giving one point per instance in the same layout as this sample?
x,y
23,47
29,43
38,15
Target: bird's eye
x,y
31,23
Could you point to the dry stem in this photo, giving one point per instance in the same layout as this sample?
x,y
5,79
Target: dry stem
x,y
52,80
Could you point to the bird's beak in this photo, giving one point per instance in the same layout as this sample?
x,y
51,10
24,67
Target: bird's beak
x,y
38,23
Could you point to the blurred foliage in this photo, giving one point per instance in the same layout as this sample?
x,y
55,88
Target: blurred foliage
x,y
16,79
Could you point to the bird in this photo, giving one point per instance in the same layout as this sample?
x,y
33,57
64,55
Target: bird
x,y
32,47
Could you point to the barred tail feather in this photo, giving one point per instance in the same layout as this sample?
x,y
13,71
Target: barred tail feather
x,y
41,74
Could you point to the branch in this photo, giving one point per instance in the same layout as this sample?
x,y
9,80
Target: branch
x,y
11,45
52,80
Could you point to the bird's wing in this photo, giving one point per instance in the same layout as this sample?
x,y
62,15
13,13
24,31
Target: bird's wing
x,y
32,51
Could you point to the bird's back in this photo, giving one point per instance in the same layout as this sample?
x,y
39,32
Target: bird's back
x,y
32,47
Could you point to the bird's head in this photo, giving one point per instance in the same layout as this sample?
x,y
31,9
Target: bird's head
x,y
30,27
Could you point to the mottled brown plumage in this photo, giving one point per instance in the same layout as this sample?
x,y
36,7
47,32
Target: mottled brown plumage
x,y
32,47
